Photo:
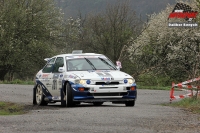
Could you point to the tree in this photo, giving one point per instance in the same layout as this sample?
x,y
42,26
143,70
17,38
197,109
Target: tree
x,y
112,29
29,32
172,52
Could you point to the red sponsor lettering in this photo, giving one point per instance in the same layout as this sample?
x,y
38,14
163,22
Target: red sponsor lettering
x,y
45,75
183,15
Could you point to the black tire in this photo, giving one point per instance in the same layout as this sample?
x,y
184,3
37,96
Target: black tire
x,y
97,103
34,95
130,103
77,103
39,96
69,96
63,100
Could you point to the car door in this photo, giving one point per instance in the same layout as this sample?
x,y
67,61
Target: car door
x,y
56,80
46,76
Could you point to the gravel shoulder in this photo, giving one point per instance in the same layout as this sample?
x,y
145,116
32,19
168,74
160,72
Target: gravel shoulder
x,y
148,115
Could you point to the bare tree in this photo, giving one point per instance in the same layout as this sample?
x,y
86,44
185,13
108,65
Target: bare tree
x,y
108,32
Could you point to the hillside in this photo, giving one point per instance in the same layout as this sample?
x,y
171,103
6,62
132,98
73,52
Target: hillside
x,y
142,7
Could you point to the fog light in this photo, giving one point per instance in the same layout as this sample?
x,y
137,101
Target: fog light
x,y
132,88
81,89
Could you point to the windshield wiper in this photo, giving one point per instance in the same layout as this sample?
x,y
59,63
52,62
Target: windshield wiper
x,y
90,63
103,60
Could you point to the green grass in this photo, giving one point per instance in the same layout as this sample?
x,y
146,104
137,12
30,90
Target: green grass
x,y
154,87
190,104
17,81
7,108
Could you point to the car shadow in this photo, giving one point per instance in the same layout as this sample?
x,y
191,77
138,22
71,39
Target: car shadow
x,y
57,106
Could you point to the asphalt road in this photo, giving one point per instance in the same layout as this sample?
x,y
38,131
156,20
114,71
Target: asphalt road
x,y
147,116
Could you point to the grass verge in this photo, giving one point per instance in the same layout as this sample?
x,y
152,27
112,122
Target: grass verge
x,y
17,81
190,104
7,108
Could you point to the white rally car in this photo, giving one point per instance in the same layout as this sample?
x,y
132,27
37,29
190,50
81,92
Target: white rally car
x,y
83,77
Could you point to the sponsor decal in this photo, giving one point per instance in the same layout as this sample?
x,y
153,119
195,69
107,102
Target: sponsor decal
x,y
54,86
60,82
183,11
46,92
98,71
102,71
106,78
45,80
48,86
45,75
61,75
55,76
71,76
56,98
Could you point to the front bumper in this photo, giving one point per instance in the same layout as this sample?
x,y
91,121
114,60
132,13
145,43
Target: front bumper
x,y
102,93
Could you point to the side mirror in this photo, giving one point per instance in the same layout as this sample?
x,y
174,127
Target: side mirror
x,y
119,65
118,68
61,69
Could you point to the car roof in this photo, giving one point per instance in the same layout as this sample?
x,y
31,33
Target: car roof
x,y
82,54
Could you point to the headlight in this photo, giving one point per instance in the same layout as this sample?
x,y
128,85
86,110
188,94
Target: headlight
x,y
130,81
83,81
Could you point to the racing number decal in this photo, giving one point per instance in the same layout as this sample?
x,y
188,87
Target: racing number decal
x,y
54,86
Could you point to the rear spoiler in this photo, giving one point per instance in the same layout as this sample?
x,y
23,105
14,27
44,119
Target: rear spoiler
x,y
47,59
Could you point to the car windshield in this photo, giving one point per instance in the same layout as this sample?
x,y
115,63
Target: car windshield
x,y
87,63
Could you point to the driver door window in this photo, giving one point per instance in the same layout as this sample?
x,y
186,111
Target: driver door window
x,y
58,63
49,66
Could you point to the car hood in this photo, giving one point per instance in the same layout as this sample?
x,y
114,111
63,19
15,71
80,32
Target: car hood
x,y
99,75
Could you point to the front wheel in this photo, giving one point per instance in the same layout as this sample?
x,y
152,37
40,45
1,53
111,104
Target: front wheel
x,y
69,96
130,103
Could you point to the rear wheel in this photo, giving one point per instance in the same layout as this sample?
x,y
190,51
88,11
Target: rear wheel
x,y
34,95
39,96
97,103
130,103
